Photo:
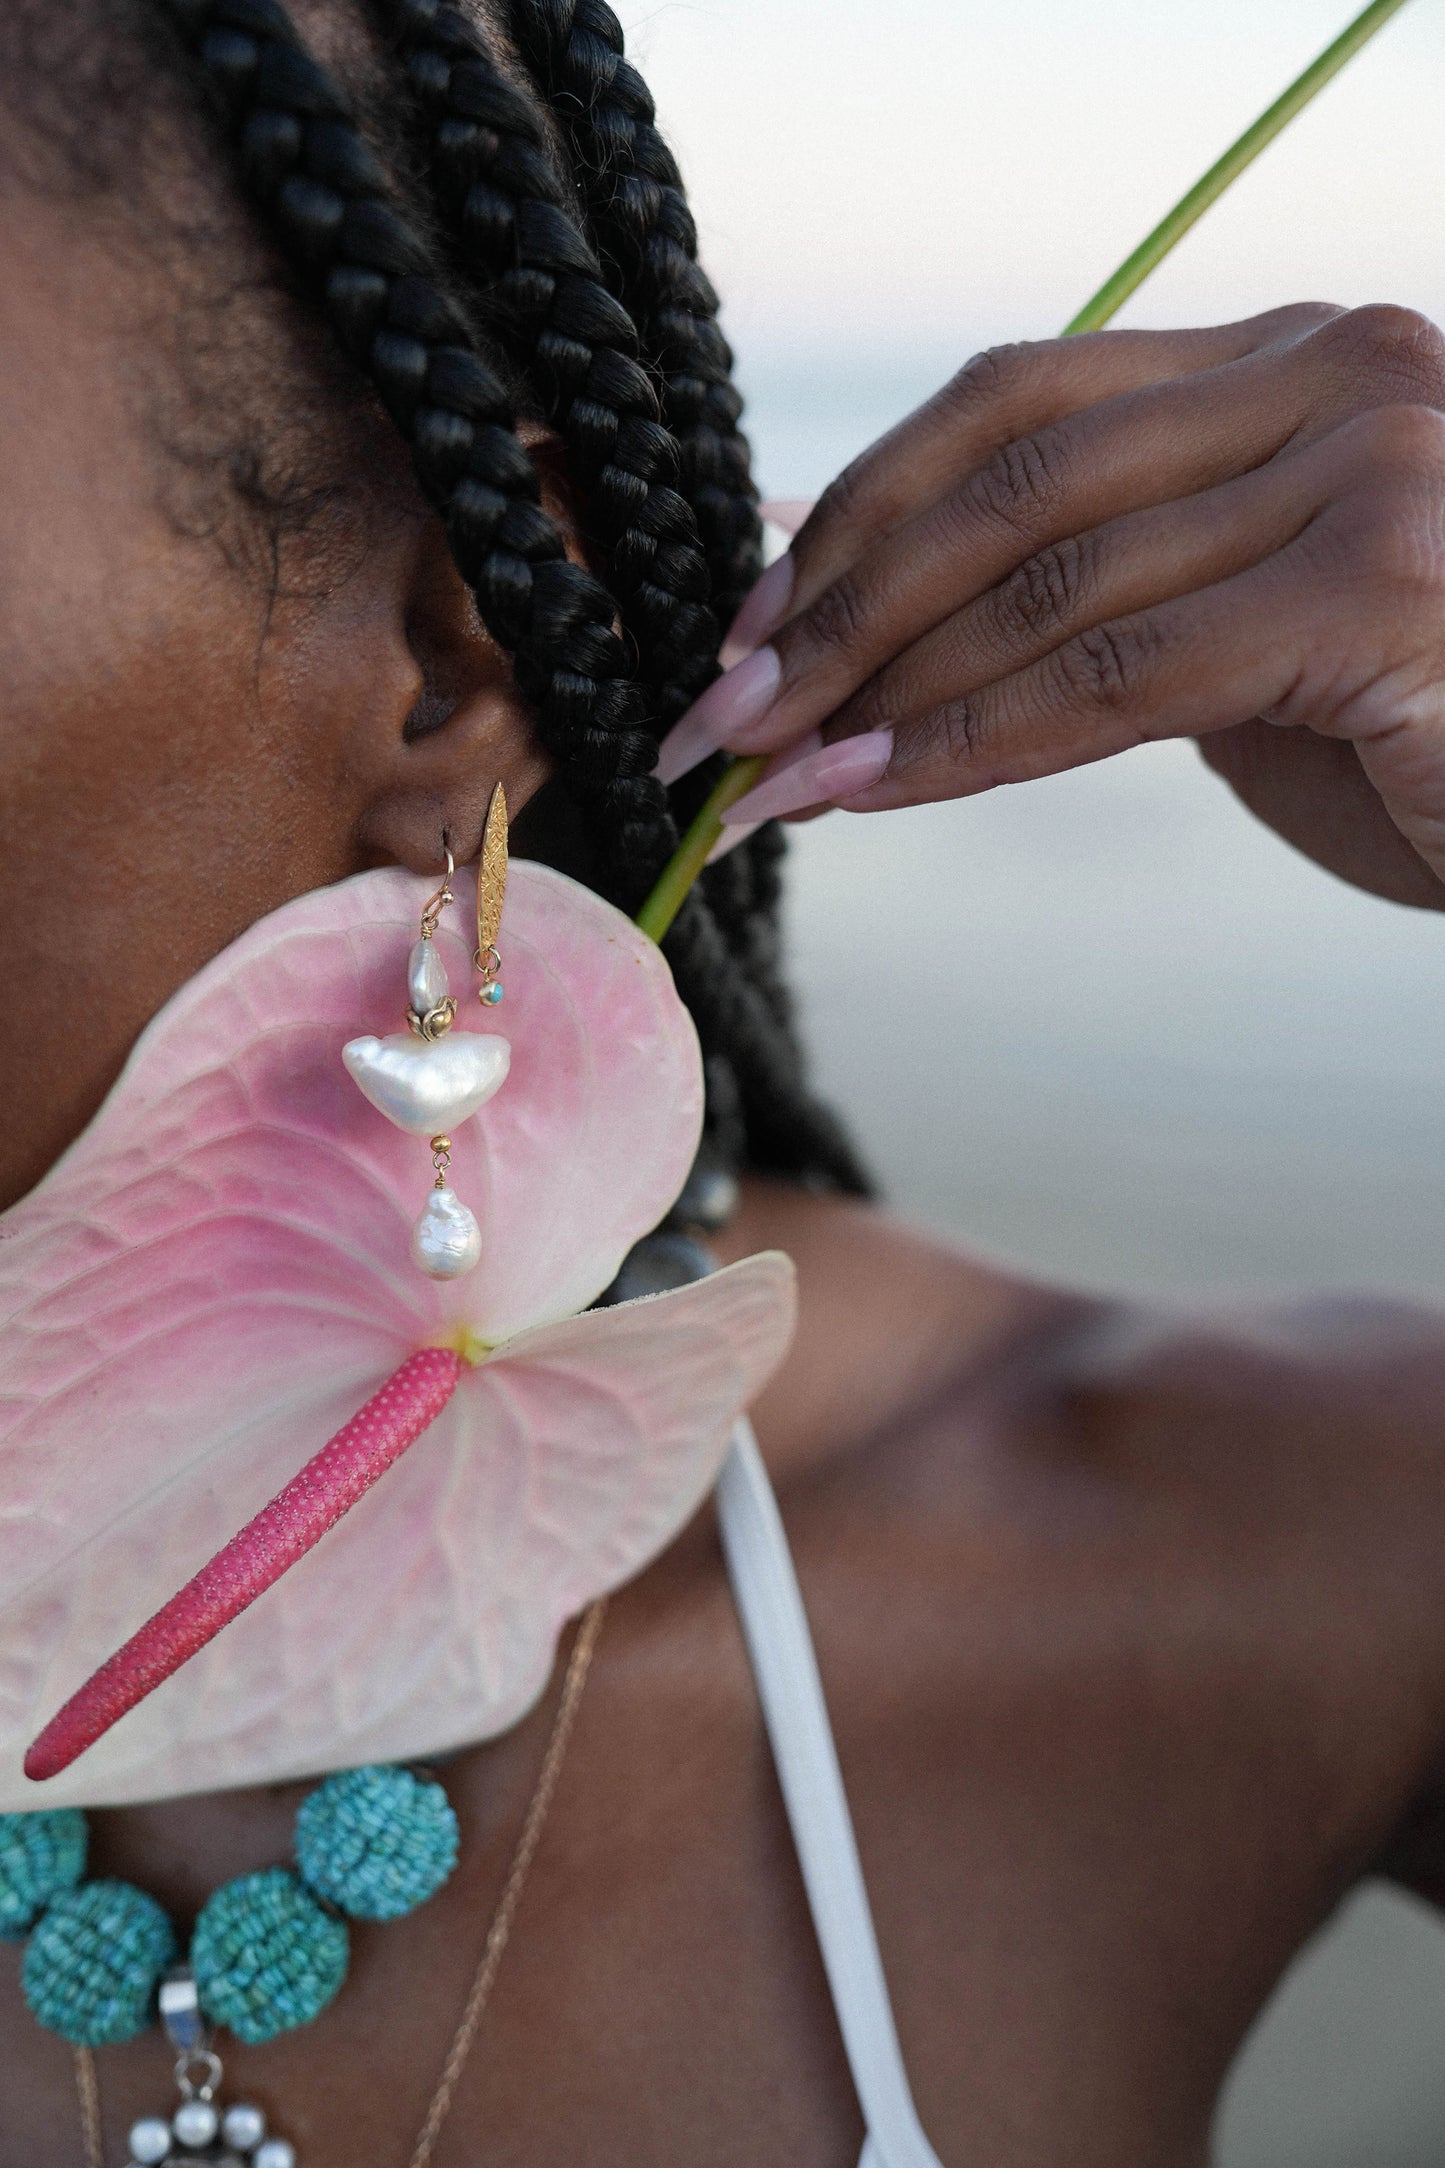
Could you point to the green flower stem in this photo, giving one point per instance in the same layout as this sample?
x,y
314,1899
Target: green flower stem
x,y
1151,252
688,860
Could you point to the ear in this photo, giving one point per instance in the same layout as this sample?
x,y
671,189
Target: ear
x,y
443,722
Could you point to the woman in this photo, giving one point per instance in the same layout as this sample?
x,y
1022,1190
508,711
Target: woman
x,y
1130,1627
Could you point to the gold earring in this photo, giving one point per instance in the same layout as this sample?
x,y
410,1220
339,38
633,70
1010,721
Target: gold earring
x,y
491,894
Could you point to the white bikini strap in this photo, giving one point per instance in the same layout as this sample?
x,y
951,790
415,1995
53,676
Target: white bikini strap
x,y
791,1692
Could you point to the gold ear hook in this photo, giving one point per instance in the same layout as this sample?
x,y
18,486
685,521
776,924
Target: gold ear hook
x,y
435,905
491,889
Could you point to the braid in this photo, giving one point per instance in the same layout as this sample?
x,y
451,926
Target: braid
x,y
787,1130
331,209
337,222
646,237
509,214
645,233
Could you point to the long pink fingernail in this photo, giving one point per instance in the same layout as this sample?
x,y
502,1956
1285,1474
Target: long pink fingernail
x,y
762,613
837,771
730,836
729,839
737,699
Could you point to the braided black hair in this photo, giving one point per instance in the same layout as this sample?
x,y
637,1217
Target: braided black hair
x,y
646,236
648,241
513,226
332,210
411,329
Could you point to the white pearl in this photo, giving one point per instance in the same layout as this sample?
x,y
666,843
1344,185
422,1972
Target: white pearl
x,y
275,2153
428,1088
149,2140
195,2122
426,977
243,2126
446,1240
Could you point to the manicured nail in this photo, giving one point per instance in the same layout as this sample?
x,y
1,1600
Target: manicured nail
x,y
729,840
739,698
836,771
780,763
762,613
789,513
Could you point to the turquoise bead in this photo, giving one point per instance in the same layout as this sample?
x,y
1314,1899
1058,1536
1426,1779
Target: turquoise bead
x,y
40,1855
266,1957
492,994
94,1961
377,1842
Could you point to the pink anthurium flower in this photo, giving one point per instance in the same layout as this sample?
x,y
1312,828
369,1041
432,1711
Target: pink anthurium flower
x,y
216,1276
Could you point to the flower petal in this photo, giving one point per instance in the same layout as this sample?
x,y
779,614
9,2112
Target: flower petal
x,y
429,1617
216,1275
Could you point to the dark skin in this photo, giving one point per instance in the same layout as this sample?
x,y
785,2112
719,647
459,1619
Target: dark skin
x,y
1235,534
1131,1627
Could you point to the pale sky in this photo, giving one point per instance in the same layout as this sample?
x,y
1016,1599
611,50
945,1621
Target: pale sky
x,y
889,186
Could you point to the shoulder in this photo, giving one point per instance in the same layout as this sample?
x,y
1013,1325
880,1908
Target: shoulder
x,y
918,1364
1131,1626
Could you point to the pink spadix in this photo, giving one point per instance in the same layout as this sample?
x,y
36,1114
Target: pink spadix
x,y
268,1546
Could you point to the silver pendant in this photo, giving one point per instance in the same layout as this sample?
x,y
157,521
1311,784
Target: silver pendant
x,y
200,2129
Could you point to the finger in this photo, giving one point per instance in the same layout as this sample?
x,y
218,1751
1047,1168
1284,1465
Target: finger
x,y
1006,393
1266,641
1158,445
1125,566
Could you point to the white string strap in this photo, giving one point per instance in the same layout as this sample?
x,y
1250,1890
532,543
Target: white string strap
x,y
775,1628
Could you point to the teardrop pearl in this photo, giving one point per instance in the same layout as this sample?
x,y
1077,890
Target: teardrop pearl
x,y
446,1241
426,977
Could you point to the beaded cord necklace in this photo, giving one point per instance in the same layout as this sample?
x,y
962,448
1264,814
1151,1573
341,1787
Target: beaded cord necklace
x,y
269,1950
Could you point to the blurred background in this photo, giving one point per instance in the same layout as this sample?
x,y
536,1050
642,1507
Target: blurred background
x,y
1105,1027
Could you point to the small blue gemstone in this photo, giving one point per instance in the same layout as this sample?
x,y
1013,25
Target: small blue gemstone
x,y
492,994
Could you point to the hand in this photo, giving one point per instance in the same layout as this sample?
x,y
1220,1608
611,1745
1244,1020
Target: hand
x,y
1235,534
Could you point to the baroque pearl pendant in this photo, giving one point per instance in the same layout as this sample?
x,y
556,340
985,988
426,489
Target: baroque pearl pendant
x,y
429,1080
446,1241
428,1087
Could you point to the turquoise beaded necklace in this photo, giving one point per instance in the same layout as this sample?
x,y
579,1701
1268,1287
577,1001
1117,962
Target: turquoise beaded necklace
x,y
269,1951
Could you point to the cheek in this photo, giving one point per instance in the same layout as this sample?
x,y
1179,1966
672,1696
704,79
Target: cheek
x,y
160,789
169,770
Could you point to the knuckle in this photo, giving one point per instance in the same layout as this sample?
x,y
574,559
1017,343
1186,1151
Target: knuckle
x,y
1045,594
1389,526
1018,485
1298,320
837,507
1105,666
1408,438
837,623
1398,347
958,734
1311,315
987,378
